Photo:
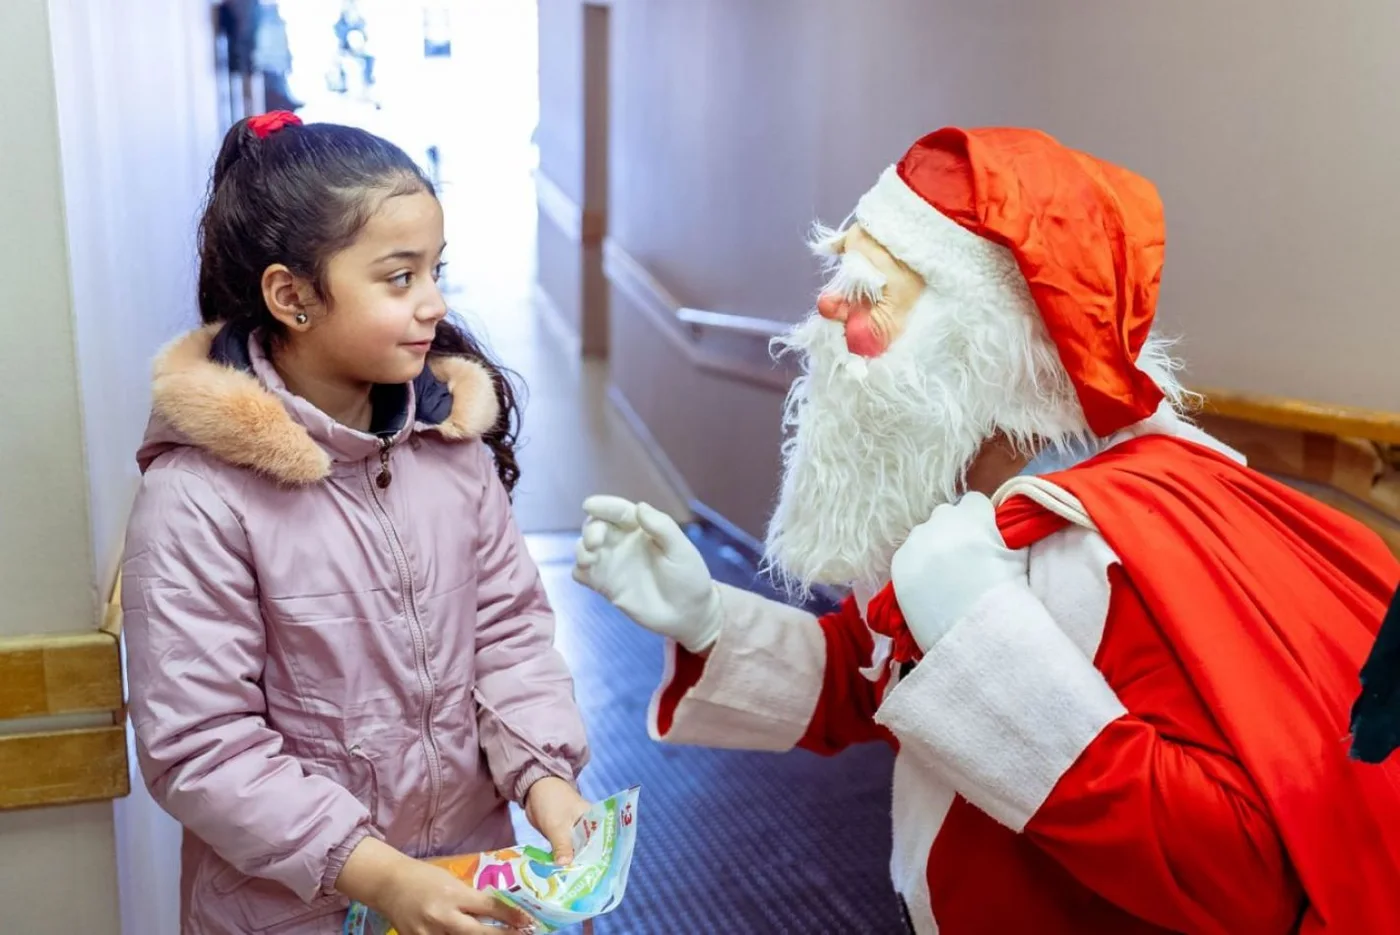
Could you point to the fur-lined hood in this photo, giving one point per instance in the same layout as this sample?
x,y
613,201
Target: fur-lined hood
x,y
222,395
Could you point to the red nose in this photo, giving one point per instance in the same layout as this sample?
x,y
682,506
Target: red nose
x,y
861,337
833,307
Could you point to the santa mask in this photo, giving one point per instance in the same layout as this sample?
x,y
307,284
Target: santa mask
x,y
876,442
1035,271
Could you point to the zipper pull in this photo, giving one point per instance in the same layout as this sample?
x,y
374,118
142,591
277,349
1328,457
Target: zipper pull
x,y
385,477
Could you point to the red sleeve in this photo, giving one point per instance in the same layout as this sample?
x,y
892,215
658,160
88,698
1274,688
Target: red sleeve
x,y
1157,814
845,712
845,708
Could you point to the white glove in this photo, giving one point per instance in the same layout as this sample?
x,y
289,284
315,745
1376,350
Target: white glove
x,y
639,559
948,564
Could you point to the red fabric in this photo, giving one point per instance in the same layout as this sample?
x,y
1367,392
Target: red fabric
x,y
1088,236
1270,600
689,669
845,712
1021,522
1156,828
885,618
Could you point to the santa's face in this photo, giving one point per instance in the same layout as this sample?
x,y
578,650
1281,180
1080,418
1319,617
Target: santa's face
x,y
903,383
871,294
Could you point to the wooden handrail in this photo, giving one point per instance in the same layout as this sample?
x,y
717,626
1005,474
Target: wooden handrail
x,y
1302,416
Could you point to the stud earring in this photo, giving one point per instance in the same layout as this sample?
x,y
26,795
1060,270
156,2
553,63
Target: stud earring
x,y
301,318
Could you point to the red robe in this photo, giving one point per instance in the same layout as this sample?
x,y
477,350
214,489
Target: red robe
x,y
1220,798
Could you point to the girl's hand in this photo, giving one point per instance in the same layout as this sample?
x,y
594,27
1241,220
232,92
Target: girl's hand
x,y
420,899
427,900
554,807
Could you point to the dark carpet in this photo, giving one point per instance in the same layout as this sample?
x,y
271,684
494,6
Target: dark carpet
x,y
727,842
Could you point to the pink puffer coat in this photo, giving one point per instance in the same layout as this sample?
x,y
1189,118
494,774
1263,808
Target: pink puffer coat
x,y
330,635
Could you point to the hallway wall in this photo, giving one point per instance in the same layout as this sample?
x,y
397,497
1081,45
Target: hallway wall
x,y
109,112
1270,133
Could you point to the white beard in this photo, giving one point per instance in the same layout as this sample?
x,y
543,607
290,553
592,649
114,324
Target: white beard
x,y
875,445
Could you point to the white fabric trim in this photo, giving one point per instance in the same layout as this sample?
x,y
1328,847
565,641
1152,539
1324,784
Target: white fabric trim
x,y
1051,496
935,246
1068,573
921,804
761,682
1003,705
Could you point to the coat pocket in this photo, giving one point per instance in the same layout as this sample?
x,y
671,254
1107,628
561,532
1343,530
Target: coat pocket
x,y
264,906
371,796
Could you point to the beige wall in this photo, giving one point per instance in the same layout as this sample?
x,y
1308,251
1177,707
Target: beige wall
x,y
109,112
45,552
45,556
1269,126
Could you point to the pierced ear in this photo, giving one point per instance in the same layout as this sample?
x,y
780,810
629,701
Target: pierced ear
x,y
288,297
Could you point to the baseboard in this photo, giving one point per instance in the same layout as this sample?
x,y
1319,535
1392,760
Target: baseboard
x,y
650,445
559,328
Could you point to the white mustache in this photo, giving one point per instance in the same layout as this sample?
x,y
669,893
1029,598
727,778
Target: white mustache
x,y
856,278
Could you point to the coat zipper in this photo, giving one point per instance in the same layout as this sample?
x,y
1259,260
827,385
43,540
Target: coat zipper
x,y
386,477
420,641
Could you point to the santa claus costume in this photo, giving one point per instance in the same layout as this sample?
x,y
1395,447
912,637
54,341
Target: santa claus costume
x,y
1119,691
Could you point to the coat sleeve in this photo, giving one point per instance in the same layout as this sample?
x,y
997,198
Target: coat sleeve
x,y
777,678
527,715
1142,802
195,653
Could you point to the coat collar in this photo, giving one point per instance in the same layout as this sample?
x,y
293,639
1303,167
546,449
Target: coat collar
x,y
237,408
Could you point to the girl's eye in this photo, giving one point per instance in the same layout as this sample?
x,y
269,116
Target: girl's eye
x,y
437,270
402,280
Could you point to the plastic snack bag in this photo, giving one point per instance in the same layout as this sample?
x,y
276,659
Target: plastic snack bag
x,y
555,896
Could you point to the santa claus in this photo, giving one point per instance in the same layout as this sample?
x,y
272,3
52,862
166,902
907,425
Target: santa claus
x,y
1120,690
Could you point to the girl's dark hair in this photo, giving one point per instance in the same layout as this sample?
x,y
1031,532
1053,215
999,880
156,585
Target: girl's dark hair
x,y
298,197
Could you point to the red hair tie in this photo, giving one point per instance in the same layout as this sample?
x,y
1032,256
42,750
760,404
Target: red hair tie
x,y
264,125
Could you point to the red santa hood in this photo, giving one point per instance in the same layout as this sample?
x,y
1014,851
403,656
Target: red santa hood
x,y
1088,236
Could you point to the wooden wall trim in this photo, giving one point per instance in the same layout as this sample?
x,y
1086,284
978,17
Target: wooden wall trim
x,y
64,674
1303,416
63,767
60,675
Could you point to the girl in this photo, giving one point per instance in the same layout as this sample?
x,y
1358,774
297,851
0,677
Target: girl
x,y
340,653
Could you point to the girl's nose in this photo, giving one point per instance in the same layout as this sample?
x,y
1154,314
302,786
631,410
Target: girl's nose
x,y
435,310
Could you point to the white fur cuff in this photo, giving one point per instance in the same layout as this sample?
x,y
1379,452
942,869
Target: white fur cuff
x,y
1003,706
761,682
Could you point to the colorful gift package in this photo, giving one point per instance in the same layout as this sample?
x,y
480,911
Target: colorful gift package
x,y
555,896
